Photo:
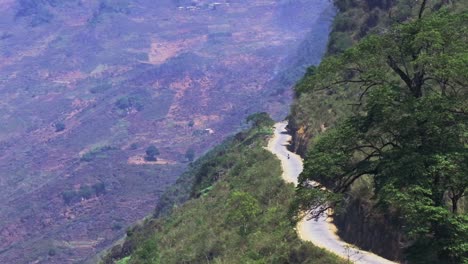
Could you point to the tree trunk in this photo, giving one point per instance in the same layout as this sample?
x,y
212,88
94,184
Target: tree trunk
x,y
454,205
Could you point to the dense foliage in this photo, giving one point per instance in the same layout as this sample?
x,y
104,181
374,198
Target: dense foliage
x,y
358,18
407,130
313,112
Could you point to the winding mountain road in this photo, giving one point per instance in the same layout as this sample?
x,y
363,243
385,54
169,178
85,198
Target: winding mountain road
x,y
322,232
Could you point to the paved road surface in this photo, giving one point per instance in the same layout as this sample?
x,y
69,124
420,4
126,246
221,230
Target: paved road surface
x,y
322,232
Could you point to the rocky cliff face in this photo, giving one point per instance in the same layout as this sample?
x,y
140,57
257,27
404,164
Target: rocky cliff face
x,y
300,138
360,225
302,134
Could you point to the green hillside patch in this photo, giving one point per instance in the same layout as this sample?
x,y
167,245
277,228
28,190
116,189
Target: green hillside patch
x,y
240,215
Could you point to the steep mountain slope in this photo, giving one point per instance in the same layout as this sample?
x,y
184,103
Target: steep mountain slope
x,y
386,135
87,86
238,212
370,217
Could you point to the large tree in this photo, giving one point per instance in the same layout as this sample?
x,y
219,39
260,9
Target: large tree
x,y
408,132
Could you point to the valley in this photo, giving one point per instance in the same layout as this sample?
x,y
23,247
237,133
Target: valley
x,y
88,85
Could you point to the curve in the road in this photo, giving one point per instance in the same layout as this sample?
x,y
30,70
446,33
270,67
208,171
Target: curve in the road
x,y
321,232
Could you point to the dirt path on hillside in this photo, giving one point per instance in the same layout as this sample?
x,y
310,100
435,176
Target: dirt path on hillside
x,y
322,232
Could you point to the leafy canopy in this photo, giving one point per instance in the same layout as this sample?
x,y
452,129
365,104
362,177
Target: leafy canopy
x,y
151,153
408,131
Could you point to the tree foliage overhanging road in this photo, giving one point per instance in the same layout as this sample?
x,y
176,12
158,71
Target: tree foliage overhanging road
x,y
408,131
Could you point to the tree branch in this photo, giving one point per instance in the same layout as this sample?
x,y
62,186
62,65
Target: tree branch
x,y
421,9
392,63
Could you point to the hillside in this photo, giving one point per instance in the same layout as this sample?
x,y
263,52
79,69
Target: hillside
x,y
238,212
105,103
382,124
397,174
88,86
313,111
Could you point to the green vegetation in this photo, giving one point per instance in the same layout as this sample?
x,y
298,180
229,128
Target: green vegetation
x,y
396,104
85,192
260,120
123,261
200,132
191,123
313,111
95,153
151,153
354,20
108,7
130,102
133,146
100,88
359,18
238,213
190,154
59,127
245,210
